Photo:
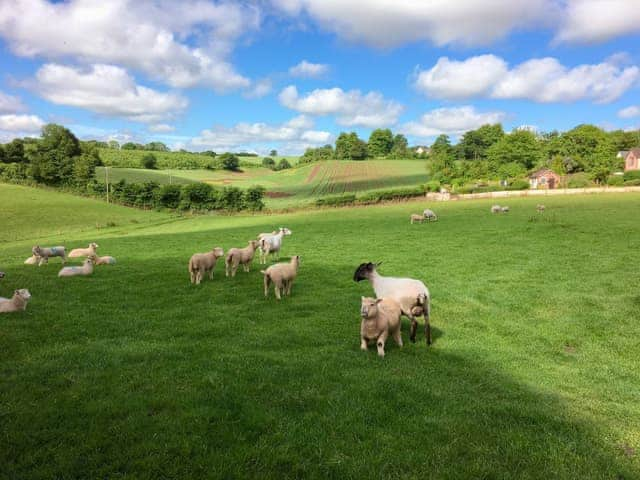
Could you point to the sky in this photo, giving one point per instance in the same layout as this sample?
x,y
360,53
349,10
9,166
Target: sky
x,y
291,74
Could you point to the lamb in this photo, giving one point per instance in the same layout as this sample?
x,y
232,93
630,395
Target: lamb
x,y
505,209
380,318
412,295
416,218
32,260
540,208
84,252
16,303
430,215
201,263
272,244
43,254
240,256
85,270
496,209
262,235
106,260
282,276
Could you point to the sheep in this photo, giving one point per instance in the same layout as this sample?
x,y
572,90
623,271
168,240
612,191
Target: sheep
x,y
43,254
201,263
282,276
505,209
16,303
85,270
430,215
416,218
32,260
84,252
240,256
412,295
271,244
106,260
540,208
380,318
496,209
2,274
262,235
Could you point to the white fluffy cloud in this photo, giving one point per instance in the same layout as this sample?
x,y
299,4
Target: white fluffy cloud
x,y
259,89
21,123
588,21
630,112
10,104
308,69
451,121
543,80
350,108
145,35
251,136
161,128
389,23
107,90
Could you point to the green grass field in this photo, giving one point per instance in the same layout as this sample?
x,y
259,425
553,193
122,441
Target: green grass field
x,y
135,373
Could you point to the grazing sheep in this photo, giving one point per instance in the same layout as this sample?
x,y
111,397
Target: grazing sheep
x,y
240,256
106,260
262,235
32,260
380,318
282,276
43,254
505,209
16,303
201,263
85,270
496,209
1,274
412,295
271,244
430,215
416,218
540,208
84,252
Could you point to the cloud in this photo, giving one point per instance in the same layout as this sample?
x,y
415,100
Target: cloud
x,y
590,21
630,112
450,121
107,90
144,35
309,70
390,23
248,136
161,128
10,104
543,80
260,89
21,123
351,108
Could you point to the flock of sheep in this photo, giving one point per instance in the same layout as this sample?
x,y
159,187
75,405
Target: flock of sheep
x,y
380,316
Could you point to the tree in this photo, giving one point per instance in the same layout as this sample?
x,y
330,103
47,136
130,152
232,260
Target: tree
x,y
149,161
156,147
520,147
14,151
2,155
253,198
53,161
380,142
84,168
474,143
350,147
273,153
113,145
268,162
132,146
400,147
229,161
283,164
316,154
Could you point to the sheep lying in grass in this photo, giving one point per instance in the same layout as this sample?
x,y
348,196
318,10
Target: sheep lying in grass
x,y
380,318
540,208
412,295
282,276
106,260
32,260
16,303
496,209
84,252
271,244
240,256
85,270
505,209
430,215
201,263
416,218
43,254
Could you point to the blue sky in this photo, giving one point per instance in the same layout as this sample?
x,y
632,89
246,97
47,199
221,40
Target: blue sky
x,y
289,74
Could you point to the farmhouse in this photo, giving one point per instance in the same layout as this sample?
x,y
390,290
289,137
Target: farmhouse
x,y
544,178
631,159
420,149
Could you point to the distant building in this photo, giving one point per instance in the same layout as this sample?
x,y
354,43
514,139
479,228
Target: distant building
x,y
631,159
544,178
622,154
420,149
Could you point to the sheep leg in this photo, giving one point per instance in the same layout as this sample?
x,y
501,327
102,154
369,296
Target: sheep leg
x,y
289,283
381,341
414,327
267,281
193,277
427,324
278,286
397,336
363,344
211,274
227,267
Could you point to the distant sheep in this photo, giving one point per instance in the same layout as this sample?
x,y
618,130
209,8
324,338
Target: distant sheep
x,y
32,260
430,215
282,276
505,209
16,303
1,274
540,208
416,218
201,263
380,318
84,252
240,256
271,244
43,254
85,270
106,260
496,209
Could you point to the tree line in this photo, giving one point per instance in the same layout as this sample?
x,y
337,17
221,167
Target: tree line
x,y
382,144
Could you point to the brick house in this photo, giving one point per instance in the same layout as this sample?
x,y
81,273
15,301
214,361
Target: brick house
x,y
632,160
544,178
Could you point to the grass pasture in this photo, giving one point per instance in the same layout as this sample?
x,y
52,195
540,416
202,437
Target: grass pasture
x,y
135,373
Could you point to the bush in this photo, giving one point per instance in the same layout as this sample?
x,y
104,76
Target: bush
x,y
253,198
615,180
283,164
13,172
336,201
231,198
391,194
579,180
195,196
168,196
268,162
432,186
631,175
479,189
149,161
518,185
632,183
229,161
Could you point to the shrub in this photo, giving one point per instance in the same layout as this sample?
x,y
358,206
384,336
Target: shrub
x,y
631,175
283,164
268,162
432,186
229,161
168,196
149,161
391,194
579,180
336,201
231,198
478,189
253,198
13,172
195,196
632,183
615,180
518,185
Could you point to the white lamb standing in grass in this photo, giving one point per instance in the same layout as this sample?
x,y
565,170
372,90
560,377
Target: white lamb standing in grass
x,y
282,276
412,295
16,303
85,270
240,256
271,244
201,263
43,254
430,215
380,319
84,252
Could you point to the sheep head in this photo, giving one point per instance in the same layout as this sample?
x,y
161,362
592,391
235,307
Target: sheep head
x,y
369,307
218,252
285,231
364,270
23,293
36,250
